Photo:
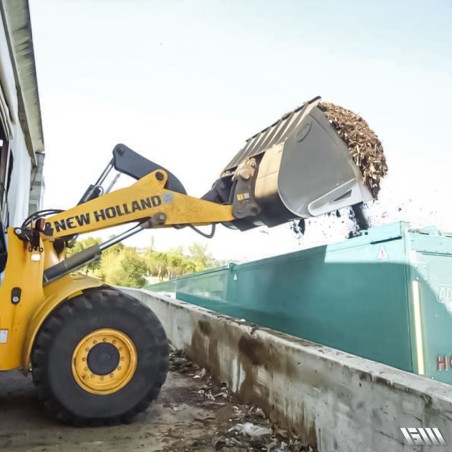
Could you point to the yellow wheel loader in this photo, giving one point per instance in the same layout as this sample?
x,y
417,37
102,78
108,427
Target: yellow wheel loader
x,y
99,356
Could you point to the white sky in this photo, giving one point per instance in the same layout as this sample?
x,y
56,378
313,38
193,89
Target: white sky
x,y
185,83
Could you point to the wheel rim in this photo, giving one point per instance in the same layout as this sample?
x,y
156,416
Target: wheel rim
x,y
104,361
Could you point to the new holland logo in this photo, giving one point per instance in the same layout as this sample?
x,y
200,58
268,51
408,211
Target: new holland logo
x,y
97,216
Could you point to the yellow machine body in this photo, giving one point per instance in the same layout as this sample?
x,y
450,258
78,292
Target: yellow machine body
x,y
26,301
100,356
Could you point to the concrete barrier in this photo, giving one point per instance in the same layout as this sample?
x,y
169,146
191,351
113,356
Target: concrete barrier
x,y
335,400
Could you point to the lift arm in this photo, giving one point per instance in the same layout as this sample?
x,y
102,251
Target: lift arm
x,y
145,199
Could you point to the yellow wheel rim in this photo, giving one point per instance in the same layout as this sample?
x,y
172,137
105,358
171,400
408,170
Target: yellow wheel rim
x,y
104,361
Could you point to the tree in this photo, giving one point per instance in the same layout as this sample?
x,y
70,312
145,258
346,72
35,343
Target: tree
x,y
125,268
93,268
157,264
201,257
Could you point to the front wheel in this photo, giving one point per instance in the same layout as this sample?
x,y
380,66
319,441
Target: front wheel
x,y
100,358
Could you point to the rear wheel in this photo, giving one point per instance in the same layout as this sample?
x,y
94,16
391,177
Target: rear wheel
x,y
100,358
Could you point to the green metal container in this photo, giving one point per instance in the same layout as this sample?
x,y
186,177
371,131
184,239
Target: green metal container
x,y
386,296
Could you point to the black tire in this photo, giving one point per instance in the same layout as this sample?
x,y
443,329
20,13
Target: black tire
x,y
65,328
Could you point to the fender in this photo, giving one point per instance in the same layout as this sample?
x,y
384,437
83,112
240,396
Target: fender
x,y
56,293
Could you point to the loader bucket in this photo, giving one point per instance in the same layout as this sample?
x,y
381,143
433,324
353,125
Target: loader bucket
x,y
299,167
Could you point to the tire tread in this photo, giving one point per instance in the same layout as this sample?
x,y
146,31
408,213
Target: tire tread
x,y
90,300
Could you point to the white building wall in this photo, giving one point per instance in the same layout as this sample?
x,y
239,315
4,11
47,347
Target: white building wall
x,y
8,94
37,188
19,188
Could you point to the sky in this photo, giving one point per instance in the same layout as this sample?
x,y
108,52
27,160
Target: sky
x,y
186,82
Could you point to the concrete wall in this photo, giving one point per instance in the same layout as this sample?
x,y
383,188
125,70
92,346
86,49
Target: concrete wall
x,y
337,401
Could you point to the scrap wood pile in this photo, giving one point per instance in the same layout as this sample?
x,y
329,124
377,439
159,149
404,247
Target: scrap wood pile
x,y
363,144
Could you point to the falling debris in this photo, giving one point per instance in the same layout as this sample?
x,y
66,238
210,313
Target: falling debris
x,y
364,146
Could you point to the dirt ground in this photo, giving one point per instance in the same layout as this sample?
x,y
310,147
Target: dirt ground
x,y
192,413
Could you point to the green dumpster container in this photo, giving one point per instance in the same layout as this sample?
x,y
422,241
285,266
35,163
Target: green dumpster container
x,y
386,296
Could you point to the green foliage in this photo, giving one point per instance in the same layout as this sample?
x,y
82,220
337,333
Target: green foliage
x,y
200,256
93,268
174,262
126,266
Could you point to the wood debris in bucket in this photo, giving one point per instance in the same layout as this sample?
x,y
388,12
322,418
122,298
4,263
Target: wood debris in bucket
x,y
364,146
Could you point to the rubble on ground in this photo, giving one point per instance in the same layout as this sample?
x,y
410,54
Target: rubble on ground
x,y
193,413
240,427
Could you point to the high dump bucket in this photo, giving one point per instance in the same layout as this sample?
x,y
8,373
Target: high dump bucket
x,y
299,167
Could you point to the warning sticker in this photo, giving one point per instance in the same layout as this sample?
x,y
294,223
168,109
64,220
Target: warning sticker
x,y
3,336
243,196
382,254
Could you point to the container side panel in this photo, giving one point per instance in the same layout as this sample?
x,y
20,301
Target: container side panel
x,y
435,284
353,299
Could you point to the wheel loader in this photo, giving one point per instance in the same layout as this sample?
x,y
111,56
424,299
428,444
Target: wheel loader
x,y
97,355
